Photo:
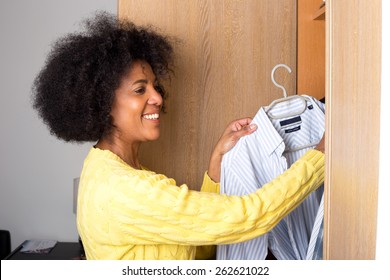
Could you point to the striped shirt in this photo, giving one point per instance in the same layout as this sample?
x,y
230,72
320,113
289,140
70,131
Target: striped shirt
x,y
258,158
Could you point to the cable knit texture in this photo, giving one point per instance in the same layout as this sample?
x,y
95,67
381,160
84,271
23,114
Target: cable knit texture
x,y
124,213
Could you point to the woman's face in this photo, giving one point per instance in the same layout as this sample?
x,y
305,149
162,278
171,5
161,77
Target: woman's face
x,y
137,105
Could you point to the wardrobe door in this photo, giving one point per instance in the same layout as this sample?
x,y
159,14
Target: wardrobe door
x,y
353,77
225,53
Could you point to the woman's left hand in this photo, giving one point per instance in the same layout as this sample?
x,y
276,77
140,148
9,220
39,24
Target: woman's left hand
x,y
233,132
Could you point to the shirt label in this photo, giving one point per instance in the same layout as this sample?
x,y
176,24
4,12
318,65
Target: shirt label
x,y
293,129
291,121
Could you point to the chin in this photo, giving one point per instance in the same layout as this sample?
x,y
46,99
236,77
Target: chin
x,y
154,137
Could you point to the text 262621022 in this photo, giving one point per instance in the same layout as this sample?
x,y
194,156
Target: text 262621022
x,y
248,270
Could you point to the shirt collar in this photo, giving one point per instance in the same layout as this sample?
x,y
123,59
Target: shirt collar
x,y
267,135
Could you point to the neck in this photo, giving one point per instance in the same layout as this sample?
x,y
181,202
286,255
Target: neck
x,y
128,152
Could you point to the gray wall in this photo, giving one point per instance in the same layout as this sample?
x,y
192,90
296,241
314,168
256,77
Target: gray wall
x,y
37,170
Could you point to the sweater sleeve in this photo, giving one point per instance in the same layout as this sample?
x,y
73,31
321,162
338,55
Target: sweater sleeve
x,y
151,209
207,252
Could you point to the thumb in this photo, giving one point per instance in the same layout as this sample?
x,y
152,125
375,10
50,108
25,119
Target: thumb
x,y
246,130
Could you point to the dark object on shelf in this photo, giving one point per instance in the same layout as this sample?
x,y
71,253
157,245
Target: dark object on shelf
x,y
5,243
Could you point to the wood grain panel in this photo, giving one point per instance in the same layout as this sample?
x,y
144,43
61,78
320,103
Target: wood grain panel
x,y
353,110
224,61
311,50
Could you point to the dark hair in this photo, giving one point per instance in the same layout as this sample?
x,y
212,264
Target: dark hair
x,y
74,91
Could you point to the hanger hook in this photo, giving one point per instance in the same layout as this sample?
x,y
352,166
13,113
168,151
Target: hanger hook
x,y
273,78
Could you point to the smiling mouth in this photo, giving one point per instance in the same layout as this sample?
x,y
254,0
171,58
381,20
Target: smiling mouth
x,y
151,116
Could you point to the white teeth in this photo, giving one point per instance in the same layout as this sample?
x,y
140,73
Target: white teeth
x,y
152,116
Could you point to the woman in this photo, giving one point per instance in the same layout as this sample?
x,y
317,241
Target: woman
x,y
103,86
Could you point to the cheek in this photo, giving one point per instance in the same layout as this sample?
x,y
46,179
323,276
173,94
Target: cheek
x,y
134,107
129,111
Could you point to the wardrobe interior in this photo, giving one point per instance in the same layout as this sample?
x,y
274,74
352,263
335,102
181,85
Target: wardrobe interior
x,y
225,52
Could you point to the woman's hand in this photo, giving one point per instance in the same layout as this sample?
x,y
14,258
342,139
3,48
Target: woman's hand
x,y
234,131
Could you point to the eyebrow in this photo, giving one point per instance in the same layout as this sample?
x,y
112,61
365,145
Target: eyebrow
x,y
141,81
144,81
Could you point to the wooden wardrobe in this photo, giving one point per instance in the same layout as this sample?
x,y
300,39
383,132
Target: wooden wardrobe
x,y
226,50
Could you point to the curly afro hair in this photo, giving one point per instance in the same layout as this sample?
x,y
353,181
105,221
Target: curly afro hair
x,y
74,91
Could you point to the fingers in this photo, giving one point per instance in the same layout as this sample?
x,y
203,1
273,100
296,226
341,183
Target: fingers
x,y
240,123
232,134
246,130
250,128
243,122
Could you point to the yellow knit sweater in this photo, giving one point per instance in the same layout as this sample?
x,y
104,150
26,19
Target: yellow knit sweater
x,y
124,213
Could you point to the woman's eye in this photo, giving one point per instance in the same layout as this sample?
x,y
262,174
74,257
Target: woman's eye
x,y
140,90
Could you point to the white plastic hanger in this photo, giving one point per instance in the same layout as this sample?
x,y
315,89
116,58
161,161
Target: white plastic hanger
x,y
286,98
300,109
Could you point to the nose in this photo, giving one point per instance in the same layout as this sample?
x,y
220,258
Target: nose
x,y
155,98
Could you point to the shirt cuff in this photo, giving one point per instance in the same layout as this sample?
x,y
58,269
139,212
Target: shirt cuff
x,y
209,185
